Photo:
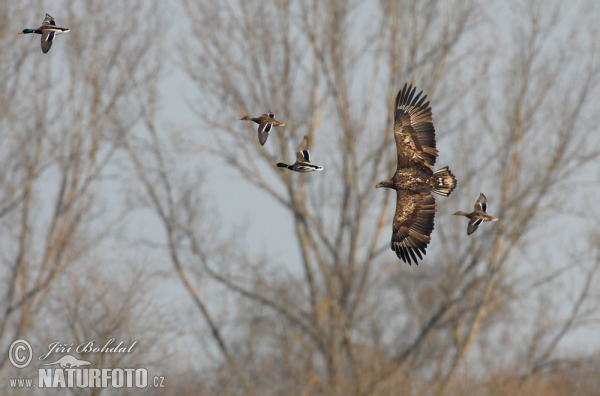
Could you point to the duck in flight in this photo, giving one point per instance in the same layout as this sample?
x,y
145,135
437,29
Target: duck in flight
x,y
478,215
265,122
48,30
302,163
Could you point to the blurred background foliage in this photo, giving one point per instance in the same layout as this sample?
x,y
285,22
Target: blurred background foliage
x,y
134,205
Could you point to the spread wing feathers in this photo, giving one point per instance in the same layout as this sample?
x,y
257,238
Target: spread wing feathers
x,y
481,204
263,132
412,226
413,129
264,127
302,155
473,224
47,39
49,20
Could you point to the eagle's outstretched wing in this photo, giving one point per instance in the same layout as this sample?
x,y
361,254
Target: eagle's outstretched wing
x,y
413,129
413,224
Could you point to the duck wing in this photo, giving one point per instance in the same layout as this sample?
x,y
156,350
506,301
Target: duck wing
x,y
473,224
302,154
413,129
412,225
265,124
47,39
264,128
481,204
48,21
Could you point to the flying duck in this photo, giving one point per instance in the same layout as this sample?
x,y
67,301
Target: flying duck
x,y
478,215
265,123
302,163
48,30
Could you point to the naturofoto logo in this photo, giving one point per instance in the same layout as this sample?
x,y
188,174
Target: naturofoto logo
x,y
70,371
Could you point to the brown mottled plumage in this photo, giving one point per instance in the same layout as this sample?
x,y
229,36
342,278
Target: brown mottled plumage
x,y
415,180
265,123
478,215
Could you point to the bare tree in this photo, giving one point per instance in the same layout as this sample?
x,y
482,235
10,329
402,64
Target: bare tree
x,y
539,148
348,325
515,114
88,308
59,138
310,73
